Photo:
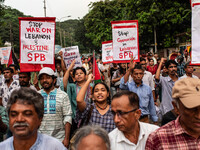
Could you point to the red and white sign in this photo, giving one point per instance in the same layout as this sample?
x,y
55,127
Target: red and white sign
x,y
5,54
125,41
37,40
71,53
194,2
195,53
107,52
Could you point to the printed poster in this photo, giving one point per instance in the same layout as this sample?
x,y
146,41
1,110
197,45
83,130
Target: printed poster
x,y
107,52
5,54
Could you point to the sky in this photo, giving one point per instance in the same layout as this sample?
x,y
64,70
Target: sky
x,y
55,8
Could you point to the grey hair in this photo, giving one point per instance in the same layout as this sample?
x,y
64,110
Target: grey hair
x,y
28,96
87,130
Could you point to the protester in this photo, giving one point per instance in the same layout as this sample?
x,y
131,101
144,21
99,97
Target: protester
x,y
166,83
151,67
25,109
24,80
189,69
184,132
3,122
180,66
91,138
15,72
57,109
143,91
7,86
186,56
99,112
130,132
86,65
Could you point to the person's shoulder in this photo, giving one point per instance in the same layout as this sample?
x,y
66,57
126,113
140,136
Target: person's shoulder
x,y
6,144
148,128
52,143
59,91
113,132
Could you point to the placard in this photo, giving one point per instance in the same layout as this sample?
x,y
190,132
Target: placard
x,y
71,53
37,40
125,41
107,52
5,54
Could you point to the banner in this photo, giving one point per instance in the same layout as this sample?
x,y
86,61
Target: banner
x,y
107,52
71,53
37,40
195,54
125,41
5,54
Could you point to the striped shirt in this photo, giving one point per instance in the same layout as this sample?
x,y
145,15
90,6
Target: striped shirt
x,y
172,137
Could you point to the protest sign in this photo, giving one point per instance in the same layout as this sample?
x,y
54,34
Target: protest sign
x,y
125,41
5,54
71,53
195,53
37,40
107,52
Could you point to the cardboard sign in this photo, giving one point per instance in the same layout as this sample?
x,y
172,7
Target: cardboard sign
x,y
107,52
5,54
71,53
125,41
37,40
195,53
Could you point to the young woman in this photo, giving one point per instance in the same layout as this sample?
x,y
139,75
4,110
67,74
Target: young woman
x,y
151,67
99,112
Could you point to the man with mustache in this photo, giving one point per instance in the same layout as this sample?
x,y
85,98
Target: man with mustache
x,y
24,80
184,132
25,109
57,109
166,83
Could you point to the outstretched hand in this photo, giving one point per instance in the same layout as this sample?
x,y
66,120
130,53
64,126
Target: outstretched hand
x,y
90,77
72,65
132,64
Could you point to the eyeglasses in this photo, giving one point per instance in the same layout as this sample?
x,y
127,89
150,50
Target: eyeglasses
x,y
121,113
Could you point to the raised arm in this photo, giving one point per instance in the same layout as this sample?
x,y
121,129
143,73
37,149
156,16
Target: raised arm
x,y
157,76
131,66
63,67
81,94
66,76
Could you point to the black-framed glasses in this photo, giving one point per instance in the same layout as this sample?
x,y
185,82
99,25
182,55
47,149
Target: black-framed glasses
x,y
121,113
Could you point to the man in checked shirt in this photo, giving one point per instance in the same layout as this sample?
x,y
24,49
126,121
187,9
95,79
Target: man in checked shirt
x,y
184,132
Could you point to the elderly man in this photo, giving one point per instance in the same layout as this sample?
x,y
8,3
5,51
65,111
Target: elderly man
x,y
25,109
184,132
130,134
57,108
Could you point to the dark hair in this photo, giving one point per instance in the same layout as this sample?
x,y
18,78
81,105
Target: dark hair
x,y
186,65
13,65
28,73
77,68
121,70
137,66
169,62
142,59
107,89
151,59
28,96
133,97
7,68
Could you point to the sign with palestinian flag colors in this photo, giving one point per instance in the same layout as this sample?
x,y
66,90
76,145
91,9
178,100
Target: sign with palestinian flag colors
x,y
195,54
125,41
107,52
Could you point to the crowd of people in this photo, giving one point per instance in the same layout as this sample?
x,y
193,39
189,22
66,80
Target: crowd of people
x,y
153,104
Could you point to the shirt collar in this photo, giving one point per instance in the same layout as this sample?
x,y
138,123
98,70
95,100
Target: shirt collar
x,y
135,84
170,79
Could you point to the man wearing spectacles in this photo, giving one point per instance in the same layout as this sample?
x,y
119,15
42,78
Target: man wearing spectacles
x,y
130,134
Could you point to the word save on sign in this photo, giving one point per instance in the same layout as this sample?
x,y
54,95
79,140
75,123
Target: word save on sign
x,y
37,39
125,40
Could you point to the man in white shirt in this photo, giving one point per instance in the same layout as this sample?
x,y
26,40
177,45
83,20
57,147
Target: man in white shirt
x,y
130,134
188,71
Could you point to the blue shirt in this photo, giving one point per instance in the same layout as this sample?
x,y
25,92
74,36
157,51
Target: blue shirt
x,y
42,142
145,95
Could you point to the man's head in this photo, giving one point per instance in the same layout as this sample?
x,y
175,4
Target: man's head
x,y
186,92
91,137
25,109
79,73
143,63
125,109
8,73
156,56
47,78
171,65
14,67
189,69
24,79
137,74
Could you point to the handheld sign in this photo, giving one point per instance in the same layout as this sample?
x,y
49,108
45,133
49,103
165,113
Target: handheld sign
x,y
71,53
195,53
107,52
5,54
125,41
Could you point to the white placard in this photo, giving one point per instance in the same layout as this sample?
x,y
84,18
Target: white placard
x,y
37,40
195,53
5,54
107,52
125,41
71,53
